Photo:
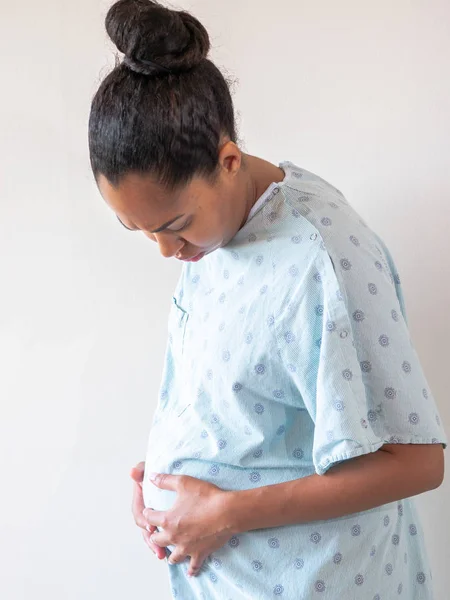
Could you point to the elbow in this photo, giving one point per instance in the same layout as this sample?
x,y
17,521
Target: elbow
x,y
424,464
434,469
439,475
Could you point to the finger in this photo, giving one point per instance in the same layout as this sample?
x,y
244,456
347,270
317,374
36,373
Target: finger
x,y
155,517
137,472
176,557
146,535
159,552
165,481
137,506
161,538
195,565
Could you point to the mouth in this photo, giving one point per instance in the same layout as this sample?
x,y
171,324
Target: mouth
x,y
200,255
194,258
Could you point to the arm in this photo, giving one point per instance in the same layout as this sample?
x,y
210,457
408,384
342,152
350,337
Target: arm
x,y
204,517
394,472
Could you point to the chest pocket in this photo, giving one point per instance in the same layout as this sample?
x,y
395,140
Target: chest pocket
x,y
178,319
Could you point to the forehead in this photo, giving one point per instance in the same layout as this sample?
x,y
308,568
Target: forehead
x,y
136,193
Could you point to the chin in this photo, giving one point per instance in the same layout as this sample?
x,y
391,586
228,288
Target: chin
x,y
215,248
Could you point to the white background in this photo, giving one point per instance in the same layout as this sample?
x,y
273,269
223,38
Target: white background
x,y
357,92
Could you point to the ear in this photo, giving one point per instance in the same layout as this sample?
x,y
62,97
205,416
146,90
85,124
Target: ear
x,y
230,158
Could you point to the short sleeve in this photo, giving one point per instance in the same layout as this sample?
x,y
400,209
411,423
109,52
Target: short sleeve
x,y
345,343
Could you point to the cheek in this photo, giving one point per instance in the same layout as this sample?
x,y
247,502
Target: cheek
x,y
216,223
150,236
206,234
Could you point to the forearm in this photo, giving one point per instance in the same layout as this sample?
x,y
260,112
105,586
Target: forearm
x,y
352,486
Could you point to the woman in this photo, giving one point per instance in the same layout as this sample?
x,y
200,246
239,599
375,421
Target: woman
x,y
294,422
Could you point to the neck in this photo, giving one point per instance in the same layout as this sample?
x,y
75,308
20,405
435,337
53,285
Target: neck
x,y
261,173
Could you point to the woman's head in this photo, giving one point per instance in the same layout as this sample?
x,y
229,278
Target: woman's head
x,y
162,135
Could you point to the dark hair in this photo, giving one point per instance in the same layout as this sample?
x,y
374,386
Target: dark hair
x,y
165,107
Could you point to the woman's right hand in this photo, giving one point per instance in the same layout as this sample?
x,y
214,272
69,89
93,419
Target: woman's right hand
x,y
137,475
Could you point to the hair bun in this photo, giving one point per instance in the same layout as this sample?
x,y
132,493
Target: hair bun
x,y
146,31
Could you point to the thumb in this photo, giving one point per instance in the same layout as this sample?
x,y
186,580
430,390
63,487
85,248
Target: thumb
x,y
137,472
165,481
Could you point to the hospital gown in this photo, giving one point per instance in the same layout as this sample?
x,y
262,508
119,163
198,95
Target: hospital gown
x,y
289,352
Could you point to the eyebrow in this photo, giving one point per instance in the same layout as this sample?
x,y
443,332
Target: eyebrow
x,y
164,226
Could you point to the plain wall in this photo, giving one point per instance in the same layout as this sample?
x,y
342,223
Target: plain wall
x,y
357,92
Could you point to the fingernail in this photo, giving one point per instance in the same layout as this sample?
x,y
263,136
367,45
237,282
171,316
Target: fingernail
x,y
152,476
147,527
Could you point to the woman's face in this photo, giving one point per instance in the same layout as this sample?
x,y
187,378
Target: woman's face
x,y
188,223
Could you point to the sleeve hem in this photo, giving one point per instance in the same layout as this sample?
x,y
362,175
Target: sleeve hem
x,y
323,466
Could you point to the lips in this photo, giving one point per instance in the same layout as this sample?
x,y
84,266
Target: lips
x,y
200,255
194,258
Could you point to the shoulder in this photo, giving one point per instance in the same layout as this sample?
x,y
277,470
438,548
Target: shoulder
x,y
321,210
298,177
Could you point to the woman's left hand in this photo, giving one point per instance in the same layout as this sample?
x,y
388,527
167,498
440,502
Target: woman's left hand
x,y
197,524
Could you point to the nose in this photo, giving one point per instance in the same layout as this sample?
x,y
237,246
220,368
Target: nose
x,y
169,245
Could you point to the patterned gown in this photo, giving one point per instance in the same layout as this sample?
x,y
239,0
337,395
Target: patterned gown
x,y
289,352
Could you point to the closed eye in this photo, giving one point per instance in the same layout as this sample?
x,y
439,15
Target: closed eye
x,y
129,228
182,228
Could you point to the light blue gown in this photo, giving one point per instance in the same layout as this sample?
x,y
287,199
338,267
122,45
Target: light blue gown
x,y
289,352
